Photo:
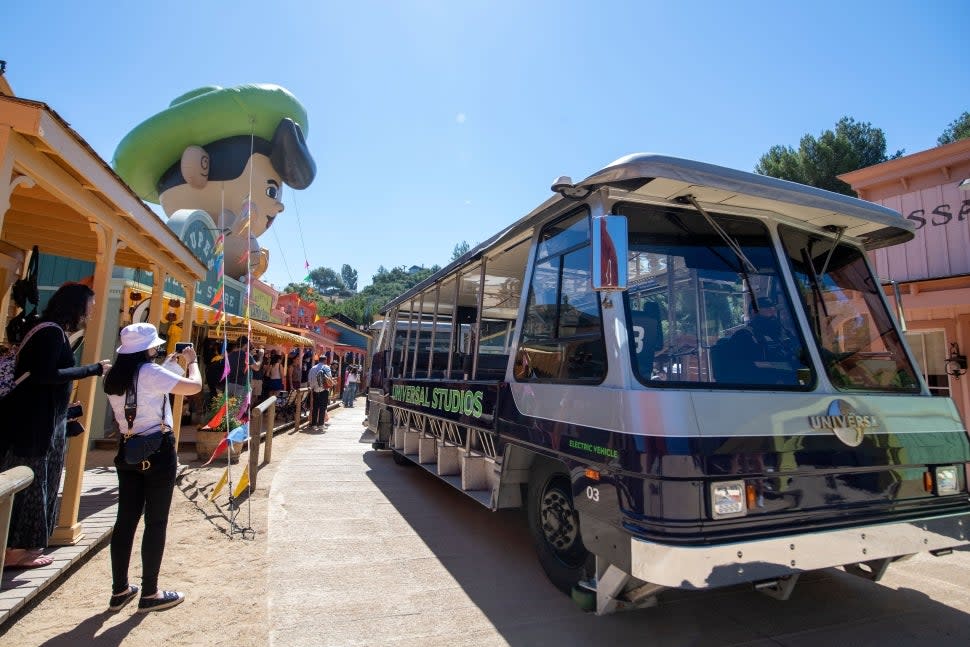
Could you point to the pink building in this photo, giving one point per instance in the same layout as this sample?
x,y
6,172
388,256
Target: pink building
x,y
933,269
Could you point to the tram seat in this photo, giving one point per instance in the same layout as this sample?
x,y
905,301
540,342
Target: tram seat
x,y
647,319
731,362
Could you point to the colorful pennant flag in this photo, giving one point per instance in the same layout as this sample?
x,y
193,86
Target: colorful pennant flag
x,y
217,419
217,452
217,297
220,484
243,415
243,483
240,434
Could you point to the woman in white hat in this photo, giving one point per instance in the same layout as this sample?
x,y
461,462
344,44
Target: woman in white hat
x,y
146,485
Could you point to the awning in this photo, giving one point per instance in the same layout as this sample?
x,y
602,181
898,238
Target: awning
x,y
237,325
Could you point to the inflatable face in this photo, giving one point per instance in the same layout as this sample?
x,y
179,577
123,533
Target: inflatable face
x,y
263,205
252,143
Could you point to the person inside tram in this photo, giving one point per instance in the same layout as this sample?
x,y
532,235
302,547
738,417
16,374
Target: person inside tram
x,y
762,352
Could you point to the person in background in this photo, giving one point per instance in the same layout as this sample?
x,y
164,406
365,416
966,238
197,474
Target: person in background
x,y
350,385
145,489
293,369
213,377
305,369
273,374
321,394
257,378
35,416
240,363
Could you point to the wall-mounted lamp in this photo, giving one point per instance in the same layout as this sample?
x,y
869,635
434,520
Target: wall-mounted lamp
x,y
956,364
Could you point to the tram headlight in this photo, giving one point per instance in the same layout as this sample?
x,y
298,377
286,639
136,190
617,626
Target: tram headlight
x,y
946,480
727,499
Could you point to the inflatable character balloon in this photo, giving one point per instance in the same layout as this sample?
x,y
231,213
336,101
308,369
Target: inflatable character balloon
x,y
227,152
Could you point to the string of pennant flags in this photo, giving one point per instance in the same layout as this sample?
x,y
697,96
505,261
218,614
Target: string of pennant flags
x,y
235,436
238,436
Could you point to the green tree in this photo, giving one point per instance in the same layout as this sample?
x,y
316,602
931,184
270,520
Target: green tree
x,y
363,307
306,292
349,276
459,250
958,129
817,162
326,281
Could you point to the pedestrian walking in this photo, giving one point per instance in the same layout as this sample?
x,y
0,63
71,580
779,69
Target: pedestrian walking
x,y
321,380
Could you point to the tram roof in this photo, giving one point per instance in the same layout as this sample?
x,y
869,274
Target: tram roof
x,y
667,178
662,177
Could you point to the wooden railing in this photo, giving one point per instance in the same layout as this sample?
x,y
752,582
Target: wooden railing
x,y
12,481
262,424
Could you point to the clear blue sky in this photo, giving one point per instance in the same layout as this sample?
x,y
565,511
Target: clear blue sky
x,y
437,121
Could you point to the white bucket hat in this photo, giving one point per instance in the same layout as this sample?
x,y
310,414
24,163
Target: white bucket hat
x,y
139,337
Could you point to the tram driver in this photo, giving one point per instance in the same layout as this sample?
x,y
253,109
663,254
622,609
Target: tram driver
x,y
764,351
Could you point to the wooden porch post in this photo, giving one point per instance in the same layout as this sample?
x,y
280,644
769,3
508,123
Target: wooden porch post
x,y
68,530
6,172
158,295
188,317
9,180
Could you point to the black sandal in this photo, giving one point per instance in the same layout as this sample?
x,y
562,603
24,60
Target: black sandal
x,y
168,600
119,600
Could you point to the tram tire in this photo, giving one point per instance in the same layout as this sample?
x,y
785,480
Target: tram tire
x,y
400,458
554,525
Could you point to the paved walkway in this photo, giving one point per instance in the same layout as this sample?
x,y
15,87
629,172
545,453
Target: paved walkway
x,y
367,552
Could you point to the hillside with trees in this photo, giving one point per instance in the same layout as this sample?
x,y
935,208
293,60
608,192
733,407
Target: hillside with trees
x,y
364,306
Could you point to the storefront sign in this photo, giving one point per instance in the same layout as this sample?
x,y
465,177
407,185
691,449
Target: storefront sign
x,y
196,230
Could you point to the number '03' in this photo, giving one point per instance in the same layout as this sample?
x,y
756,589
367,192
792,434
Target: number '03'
x,y
592,493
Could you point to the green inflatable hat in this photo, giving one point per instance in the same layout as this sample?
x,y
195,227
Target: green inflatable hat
x,y
200,117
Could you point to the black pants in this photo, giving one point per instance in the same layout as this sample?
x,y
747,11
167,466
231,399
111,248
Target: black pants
x,y
320,402
147,492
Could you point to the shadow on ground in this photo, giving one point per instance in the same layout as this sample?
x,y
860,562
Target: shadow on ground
x,y
490,555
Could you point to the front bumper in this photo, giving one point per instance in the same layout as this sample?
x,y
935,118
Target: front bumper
x,y
703,567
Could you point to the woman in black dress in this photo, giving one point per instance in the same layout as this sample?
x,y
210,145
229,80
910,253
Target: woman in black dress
x,y
35,416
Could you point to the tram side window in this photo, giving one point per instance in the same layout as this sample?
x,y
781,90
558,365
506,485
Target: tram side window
x,y
562,337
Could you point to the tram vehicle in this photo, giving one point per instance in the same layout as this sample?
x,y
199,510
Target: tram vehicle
x,y
689,376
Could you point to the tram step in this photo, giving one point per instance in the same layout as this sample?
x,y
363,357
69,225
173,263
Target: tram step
x,y
457,481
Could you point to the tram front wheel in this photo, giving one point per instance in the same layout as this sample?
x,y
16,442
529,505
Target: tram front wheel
x,y
554,524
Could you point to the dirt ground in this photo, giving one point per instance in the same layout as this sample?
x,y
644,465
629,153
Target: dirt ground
x,y
223,577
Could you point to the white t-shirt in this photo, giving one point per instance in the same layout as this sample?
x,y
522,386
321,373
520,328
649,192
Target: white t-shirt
x,y
154,384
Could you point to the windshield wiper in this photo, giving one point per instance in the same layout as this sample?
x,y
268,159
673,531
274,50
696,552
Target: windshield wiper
x,y
726,237
825,265
746,266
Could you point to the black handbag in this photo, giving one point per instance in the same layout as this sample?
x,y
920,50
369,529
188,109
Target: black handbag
x,y
137,449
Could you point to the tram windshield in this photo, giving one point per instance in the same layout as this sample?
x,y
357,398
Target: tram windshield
x,y
708,306
859,343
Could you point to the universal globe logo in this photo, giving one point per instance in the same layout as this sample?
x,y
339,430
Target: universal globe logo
x,y
847,425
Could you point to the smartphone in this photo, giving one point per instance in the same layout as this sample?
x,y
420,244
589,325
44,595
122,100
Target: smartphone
x,y
74,412
182,345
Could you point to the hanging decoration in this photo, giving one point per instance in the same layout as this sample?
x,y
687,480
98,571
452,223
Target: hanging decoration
x,y
223,156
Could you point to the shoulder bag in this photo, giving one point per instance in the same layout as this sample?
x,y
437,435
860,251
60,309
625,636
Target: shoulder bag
x,y
139,448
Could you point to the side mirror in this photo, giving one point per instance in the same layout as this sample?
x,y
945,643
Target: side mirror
x,y
610,247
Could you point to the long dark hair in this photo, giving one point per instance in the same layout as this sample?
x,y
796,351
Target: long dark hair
x,y
122,372
68,306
